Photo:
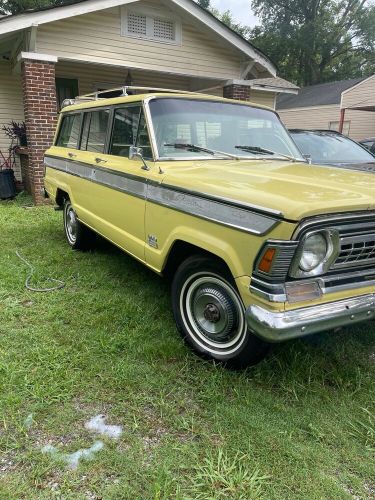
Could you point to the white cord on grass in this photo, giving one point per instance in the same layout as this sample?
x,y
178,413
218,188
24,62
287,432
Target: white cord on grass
x,y
60,285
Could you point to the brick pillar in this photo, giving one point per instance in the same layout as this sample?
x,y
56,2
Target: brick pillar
x,y
239,92
39,97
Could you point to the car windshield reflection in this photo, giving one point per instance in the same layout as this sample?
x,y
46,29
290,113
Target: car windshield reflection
x,y
187,128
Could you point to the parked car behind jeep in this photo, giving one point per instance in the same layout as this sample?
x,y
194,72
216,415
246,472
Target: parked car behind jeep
x,y
328,147
261,246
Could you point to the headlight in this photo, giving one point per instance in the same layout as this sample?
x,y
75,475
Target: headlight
x,y
316,253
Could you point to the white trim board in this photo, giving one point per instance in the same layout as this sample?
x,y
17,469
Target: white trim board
x,y
35,56
22,21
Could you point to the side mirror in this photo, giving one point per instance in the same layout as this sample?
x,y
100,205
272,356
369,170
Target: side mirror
x,y
136,153
308,158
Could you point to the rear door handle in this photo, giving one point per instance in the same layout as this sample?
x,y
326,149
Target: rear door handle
x,y
100,160
72,155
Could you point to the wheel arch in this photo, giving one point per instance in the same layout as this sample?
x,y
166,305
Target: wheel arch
x,y
61,196
181,250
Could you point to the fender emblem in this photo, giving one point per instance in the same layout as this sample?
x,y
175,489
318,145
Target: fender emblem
x,y
152,241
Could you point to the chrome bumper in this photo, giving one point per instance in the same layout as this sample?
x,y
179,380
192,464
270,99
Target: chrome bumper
x,y
279,326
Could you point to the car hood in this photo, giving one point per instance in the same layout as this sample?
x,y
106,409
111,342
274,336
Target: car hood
x,y
297,190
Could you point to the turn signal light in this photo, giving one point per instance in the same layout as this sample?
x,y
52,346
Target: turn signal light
x,y
265,265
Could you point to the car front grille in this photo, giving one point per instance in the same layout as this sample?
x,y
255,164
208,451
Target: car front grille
x,y
356,251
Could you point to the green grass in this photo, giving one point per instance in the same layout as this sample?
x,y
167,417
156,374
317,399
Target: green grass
x,y
299,425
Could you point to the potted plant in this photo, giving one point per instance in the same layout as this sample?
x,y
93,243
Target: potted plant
x,y
17,135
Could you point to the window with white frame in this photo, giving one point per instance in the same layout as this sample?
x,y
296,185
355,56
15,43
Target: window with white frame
x,y
150,25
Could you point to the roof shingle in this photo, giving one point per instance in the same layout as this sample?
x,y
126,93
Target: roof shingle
x,y
316,95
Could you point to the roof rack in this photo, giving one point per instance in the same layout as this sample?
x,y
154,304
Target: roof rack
x,y
122,92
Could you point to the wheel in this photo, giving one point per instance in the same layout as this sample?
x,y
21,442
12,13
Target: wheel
x,y
77,234
210,314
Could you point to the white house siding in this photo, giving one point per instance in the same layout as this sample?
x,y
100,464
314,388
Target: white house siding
x,y
263,98
93,76
11,104
361,123
362,94
96,38
310,118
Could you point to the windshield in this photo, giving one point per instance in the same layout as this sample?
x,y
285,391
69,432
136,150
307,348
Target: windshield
x,y
187,128
324,147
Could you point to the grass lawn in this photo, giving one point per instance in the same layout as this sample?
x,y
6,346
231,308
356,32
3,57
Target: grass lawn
x,y
299,425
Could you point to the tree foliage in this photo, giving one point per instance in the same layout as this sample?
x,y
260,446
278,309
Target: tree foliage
x,y
314,41
18,6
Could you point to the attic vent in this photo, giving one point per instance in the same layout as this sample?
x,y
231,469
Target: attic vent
x,y
150,25
164,29
137,24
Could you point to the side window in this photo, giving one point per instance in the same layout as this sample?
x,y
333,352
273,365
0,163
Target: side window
x,y
129,129
68,135
125,127
94,132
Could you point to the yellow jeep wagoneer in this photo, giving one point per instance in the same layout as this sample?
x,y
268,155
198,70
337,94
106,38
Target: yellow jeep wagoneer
x,y
262,246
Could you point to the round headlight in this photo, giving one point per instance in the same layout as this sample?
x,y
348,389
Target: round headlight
x,y
314,252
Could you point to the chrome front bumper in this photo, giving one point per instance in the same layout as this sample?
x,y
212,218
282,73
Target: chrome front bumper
x,y
285,325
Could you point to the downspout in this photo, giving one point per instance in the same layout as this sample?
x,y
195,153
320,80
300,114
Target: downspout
x,y
342,118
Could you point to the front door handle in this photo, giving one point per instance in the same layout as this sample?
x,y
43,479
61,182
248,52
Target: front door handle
x,y
71,155
100,160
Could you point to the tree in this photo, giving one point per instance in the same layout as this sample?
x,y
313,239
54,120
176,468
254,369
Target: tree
x,y
313,41
17,6
204,3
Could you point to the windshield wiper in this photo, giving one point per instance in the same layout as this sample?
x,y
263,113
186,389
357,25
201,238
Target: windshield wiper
x,y
258,150
199,149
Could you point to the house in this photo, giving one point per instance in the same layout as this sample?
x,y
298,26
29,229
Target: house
x,y
51,54
347,106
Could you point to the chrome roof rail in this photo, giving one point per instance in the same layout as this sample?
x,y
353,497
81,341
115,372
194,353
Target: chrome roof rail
x,y
123,92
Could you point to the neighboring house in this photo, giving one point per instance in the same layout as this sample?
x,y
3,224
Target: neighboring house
x,y
60,52
348,105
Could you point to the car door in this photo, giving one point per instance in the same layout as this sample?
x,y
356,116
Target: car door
x,y
116,202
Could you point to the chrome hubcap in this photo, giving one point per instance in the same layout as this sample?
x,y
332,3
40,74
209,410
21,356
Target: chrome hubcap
x,y
213,313
71,224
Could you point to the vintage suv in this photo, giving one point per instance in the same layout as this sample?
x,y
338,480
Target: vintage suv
x,y
262,246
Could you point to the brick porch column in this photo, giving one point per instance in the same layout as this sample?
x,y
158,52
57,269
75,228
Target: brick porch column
x,y
39,97
239,92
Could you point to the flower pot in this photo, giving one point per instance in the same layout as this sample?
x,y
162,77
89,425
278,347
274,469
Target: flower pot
x,y
7,184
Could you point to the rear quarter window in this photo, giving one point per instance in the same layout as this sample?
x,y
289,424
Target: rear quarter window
x,y
68,135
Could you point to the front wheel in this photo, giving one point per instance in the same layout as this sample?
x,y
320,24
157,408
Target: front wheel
x,y
210,314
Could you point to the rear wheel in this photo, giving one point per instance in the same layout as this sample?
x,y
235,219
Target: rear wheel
x,y
210,314
77,234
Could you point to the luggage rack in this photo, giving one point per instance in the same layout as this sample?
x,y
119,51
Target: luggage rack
x,y
122,92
